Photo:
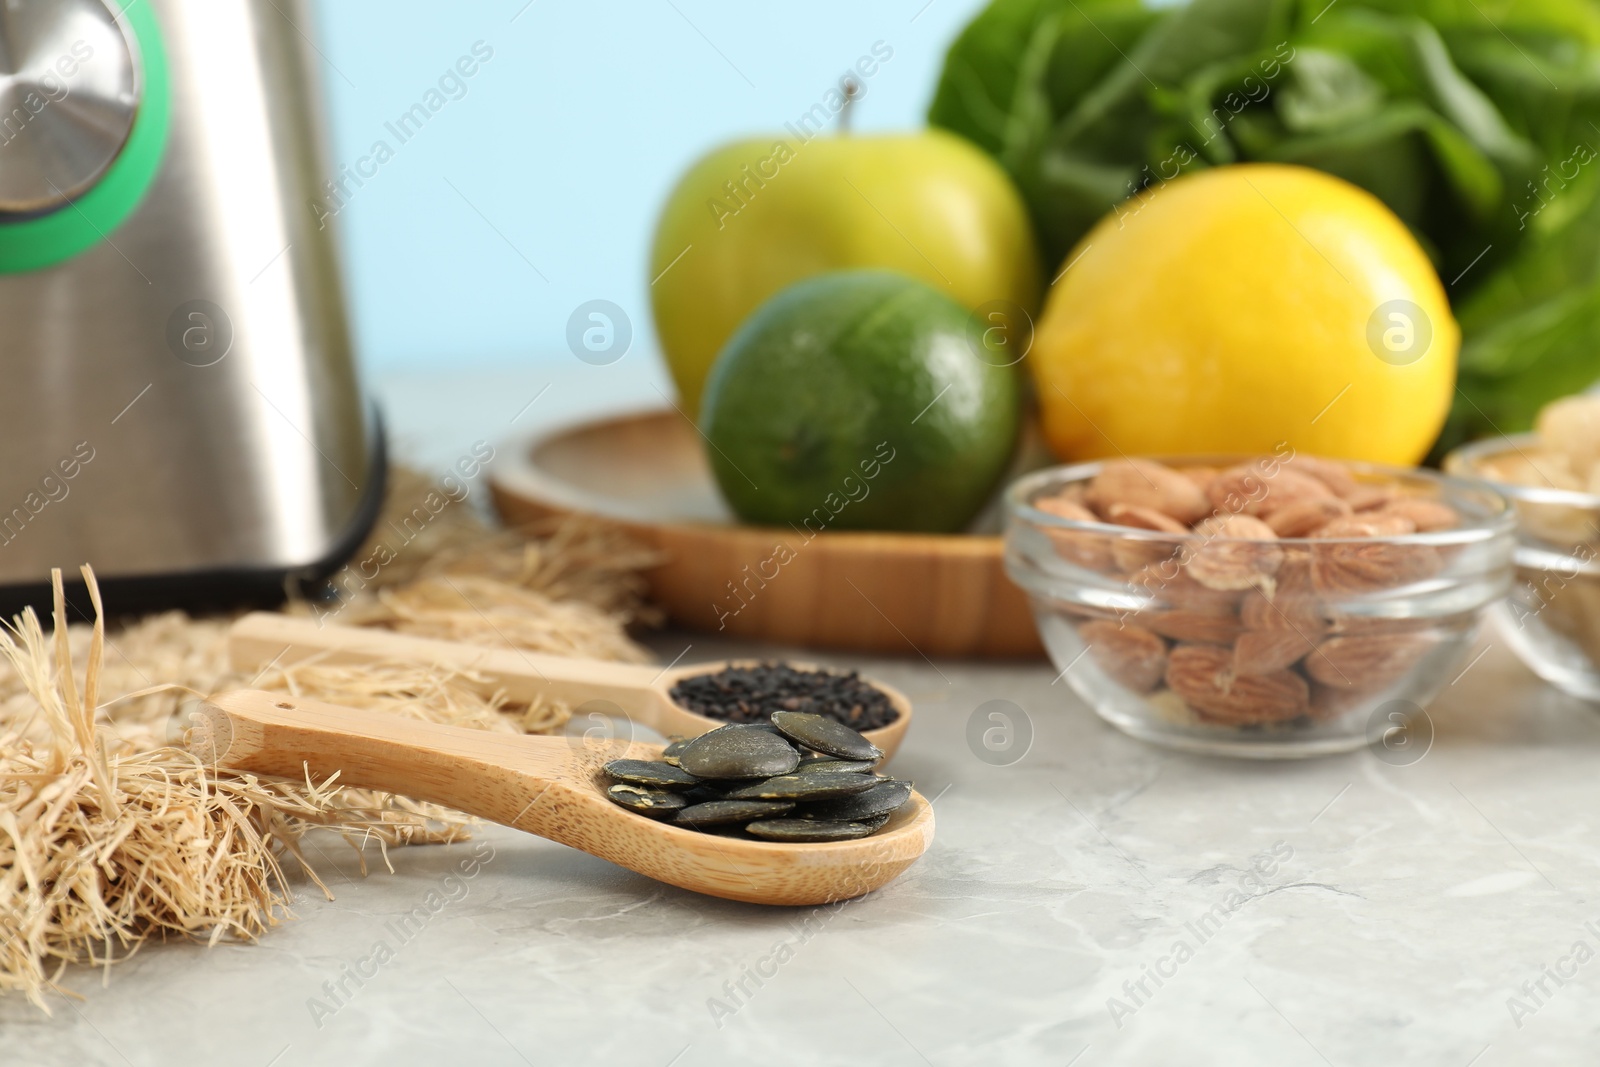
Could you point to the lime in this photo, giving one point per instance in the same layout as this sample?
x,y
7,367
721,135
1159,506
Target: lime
x,y
857,400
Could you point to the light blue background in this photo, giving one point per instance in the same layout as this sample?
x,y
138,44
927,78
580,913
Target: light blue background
x,y
567,142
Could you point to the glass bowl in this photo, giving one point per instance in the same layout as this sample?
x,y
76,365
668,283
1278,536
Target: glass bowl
x,y
1267,649
1552,617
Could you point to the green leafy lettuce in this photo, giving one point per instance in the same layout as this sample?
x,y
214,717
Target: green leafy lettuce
x,y
1476,121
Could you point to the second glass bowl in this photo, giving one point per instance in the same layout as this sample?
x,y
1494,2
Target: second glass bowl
x,y
1552,617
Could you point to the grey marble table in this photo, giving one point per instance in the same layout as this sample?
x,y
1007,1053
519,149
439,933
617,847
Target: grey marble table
x,y
1087,900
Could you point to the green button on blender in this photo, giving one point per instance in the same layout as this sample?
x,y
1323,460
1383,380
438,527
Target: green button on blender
x,y
84,111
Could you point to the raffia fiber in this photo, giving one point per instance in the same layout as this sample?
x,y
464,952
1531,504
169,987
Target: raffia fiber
x,y
113,835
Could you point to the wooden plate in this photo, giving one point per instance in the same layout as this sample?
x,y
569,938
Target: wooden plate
x,y
936,595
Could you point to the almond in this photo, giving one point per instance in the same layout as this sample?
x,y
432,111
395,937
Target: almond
x,y
1063,506
1371,497
1074,492
1280,631
1133,553
1232,555
1265,651
1130,655
1262,488
1294,573
1201,476
1145,483
1085,548
1237,490
1331,473
1368,662
1235,527
1285,611
1428,516
1203,676
1350,567
1366,525
1142,518
1199,626
1299,520
1169,585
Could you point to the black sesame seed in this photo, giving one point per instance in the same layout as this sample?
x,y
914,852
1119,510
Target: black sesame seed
x,y
752,694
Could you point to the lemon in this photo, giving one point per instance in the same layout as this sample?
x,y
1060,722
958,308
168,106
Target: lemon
x,y
1242,308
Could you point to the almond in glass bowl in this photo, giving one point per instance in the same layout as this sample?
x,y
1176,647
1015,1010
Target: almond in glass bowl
x,y
1275,620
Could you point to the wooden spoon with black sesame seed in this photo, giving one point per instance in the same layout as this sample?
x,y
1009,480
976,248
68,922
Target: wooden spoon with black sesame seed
x,y
550,786
638,693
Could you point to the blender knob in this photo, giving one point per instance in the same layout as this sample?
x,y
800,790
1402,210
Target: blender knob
x,y
69,92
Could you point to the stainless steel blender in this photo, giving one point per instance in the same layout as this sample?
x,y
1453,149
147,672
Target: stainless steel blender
x,y
179,404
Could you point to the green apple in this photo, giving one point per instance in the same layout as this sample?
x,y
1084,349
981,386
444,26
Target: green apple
x,y
755,216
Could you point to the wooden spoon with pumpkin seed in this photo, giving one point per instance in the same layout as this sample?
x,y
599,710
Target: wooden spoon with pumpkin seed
x,y
550,786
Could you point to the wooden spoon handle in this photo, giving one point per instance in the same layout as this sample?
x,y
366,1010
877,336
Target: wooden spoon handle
x,y
495,776
261,639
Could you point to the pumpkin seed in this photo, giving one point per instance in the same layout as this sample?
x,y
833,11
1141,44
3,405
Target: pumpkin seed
x,y
806,830
885,797
652,773
739,751
833,763
744,780
656,803
719,812
825,735
817,785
